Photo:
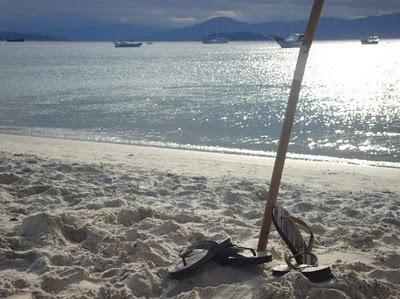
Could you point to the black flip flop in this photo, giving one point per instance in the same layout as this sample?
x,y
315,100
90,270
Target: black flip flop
x,y
241,256
196,256
306,262
286,226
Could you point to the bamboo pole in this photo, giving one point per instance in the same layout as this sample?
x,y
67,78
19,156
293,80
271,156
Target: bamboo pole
x,y
288,123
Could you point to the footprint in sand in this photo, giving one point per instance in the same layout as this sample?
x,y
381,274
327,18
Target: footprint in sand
x,y
32,190
8,178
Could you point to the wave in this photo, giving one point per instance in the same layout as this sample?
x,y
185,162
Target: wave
x,y
96,137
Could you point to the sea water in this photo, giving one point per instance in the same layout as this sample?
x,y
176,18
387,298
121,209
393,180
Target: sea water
x,y
226,98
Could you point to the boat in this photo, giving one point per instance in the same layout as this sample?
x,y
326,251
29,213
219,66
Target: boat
x,y
370,40
127,44
216,40
293,41
14,39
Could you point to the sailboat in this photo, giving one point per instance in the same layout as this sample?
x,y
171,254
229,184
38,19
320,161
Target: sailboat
x,y
214,40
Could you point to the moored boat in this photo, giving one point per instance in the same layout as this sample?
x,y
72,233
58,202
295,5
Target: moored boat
x,y
216,40
293,41
14,39
127,44
370,40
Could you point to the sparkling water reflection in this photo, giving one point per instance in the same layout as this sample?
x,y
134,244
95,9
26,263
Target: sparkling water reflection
x,y
230,96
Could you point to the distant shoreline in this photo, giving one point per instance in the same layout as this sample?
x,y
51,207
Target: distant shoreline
x,y
195,41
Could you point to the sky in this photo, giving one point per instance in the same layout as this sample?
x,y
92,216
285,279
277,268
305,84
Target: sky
x,y
39,14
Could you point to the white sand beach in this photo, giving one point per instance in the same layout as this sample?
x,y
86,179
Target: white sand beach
x,y
97,220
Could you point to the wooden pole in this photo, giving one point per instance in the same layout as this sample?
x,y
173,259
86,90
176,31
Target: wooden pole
x,y
288,123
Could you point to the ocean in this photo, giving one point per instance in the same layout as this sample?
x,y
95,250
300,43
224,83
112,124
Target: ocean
x,y
222,98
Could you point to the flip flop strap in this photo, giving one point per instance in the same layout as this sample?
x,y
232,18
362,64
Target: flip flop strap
x,y
305,227
289,258
247,248
189,251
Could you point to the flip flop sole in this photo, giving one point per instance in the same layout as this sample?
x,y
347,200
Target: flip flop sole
x,y
318,273
280,270
314,273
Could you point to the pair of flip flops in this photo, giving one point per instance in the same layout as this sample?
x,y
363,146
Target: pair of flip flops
x,y
302,258
195,256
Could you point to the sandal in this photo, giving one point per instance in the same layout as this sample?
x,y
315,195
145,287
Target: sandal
x,y
305,261
196,256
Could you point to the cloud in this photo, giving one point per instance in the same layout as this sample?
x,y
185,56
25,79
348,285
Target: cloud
x,y
182,20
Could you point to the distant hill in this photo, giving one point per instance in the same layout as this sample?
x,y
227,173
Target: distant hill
x,y
199,31
29,36
386,26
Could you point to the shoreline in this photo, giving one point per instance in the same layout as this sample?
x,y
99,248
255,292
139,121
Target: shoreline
x,y
100,220
200,162
214,149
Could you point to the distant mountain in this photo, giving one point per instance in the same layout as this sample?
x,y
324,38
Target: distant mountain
x,y
29,36
386,26
105,32
199,31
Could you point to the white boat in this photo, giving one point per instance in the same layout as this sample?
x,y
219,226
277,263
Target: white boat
x,y
127,44
216,40
370,40
293,41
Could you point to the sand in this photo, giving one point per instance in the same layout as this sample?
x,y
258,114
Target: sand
x,y
96,220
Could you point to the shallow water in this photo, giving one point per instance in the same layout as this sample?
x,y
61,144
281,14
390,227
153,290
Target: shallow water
x,y
214,97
